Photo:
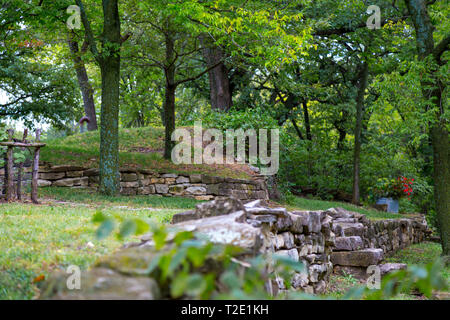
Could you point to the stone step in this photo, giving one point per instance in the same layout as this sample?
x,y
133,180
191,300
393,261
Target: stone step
x,y
345,229
348,243
386,268
363,273
359,258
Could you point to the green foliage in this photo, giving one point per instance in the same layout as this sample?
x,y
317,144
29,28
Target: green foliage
x,y
256,118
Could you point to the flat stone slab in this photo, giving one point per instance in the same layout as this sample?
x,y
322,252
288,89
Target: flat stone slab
x,y
348,243
386,268
359,258
102,284
345,229
226,229
210,209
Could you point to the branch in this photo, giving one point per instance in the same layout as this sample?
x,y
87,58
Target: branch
x,y
441,48
125,37
200,74
347,29
87,28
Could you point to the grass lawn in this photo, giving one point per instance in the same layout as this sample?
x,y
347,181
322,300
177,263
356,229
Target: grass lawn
x,y
300,203
92,198
35,240
138,148
420,253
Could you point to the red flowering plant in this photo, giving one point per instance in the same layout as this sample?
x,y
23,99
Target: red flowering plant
x,y
392,188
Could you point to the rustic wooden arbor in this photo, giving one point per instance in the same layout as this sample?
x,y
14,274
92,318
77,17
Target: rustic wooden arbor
x,y
9,165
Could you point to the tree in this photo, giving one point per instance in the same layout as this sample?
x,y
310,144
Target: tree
x,y
109,61
34,87
83,81
432,90
219,80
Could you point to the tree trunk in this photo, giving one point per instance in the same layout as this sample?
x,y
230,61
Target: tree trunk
x,y
358,126
169,116
110,72
169,100
83,81
438,130
307,123
441,162
219,82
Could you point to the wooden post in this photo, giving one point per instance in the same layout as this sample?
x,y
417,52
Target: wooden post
x,y
35,172
9,174
5,181
20,170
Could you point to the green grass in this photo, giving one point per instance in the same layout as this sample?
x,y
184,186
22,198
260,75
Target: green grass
x,y
420,254
38,239
90,197
138,148
300,203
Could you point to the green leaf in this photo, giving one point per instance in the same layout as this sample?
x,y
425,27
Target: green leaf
x,y
141,226
196,284
127,228
179,284
105,229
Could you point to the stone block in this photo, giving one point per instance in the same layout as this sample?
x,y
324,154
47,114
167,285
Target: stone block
x,y
130,184
195,178
169,175
44,183
161,188
69,182
177,189
360,258
146,190
52,175
292,254
196,190
74,174
128,177
182,179
344,229
348,243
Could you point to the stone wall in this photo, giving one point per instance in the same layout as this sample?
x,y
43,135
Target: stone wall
x,y
304,236
361,242
144,182
334,239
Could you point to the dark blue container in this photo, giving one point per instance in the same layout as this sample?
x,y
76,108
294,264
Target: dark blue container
x,y
391,203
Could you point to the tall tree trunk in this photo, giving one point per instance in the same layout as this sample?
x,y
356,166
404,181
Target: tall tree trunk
x,y
358,126
438,129
83,81
110,72
219,82
169,100
169,116
307,123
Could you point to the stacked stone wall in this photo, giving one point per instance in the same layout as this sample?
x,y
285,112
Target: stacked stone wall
x,y
144,182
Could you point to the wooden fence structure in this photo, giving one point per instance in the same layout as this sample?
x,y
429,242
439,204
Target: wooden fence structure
x,y
9,165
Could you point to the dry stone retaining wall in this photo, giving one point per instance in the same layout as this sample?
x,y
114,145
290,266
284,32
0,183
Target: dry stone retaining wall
x,y
323,241
361,243
143,182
